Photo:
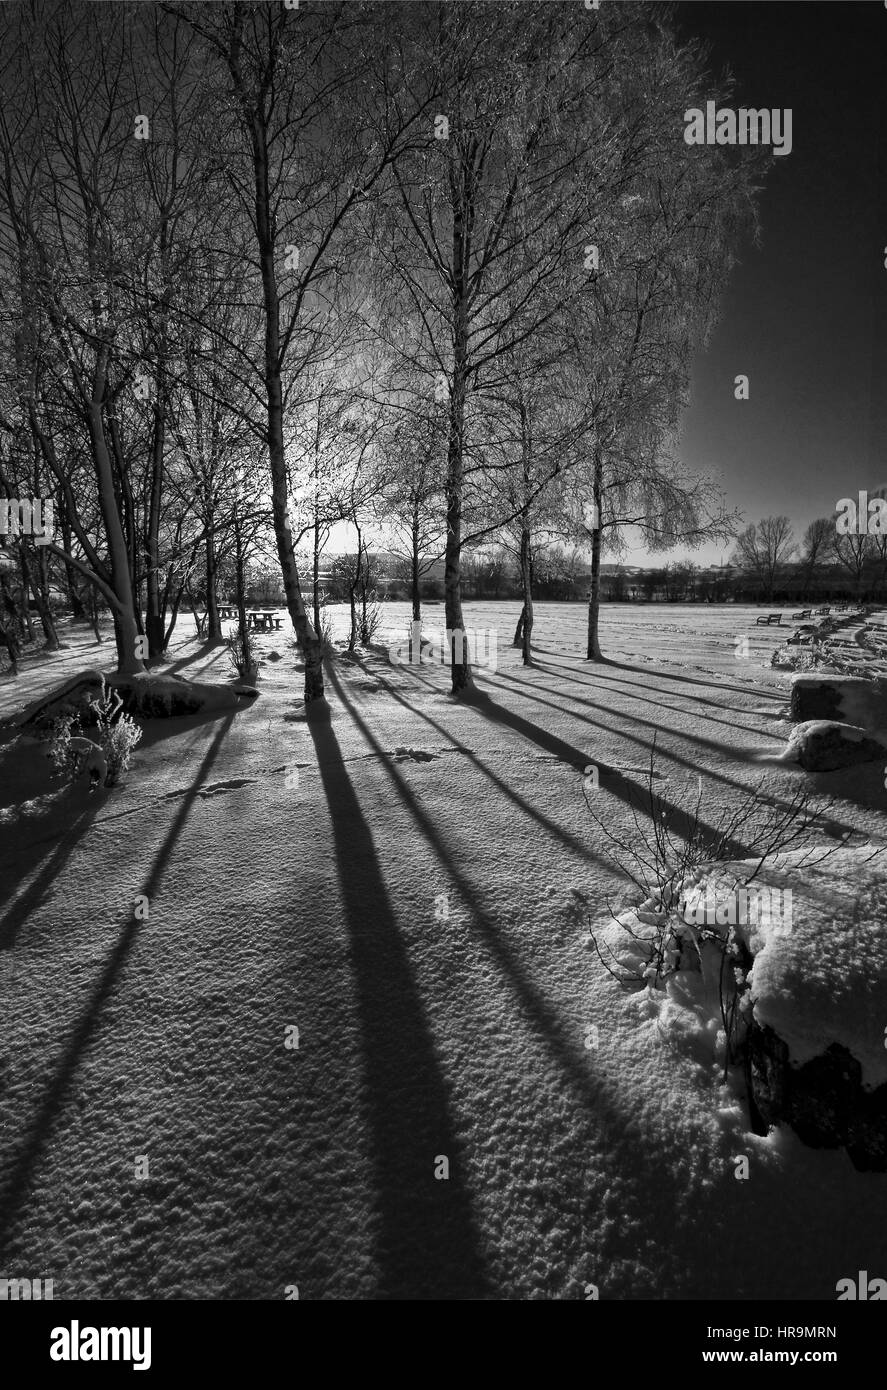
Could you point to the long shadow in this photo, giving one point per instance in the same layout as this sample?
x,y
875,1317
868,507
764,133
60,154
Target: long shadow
x,y
523,805
712,745
692,680
21,907
611,779
17,1179
428,1244
598,1112
641,695
603,768
183,661
27,839
722,777
609,663
567,752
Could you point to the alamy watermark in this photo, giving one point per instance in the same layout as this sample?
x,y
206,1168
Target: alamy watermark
x,y
747,126
864,515
25,1289
27,516
476,646
766,907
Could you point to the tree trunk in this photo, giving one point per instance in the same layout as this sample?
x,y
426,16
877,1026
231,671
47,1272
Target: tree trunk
x,y
94,615
155,605
305,633
25,572
10,622
78,608
40,589
527,586
519,630
352,594
364,636
240,582
460,670
126,629
593,651
213,621
126,509
526,563
154,612
414,570
315,569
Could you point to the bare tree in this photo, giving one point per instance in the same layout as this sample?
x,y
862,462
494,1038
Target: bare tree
x,y
854,554
815,547
65,160
310,140
765,549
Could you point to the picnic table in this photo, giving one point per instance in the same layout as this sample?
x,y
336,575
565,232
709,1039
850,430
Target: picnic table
x,y
263,619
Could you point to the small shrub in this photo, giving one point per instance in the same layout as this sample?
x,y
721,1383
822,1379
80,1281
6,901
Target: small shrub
x,y
326,631
662,852
118,733
62,752
370,622
240,650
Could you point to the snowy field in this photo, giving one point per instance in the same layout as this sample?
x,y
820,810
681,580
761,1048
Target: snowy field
x,y
411,886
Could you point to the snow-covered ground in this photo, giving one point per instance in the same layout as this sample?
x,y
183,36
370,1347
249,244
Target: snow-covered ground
x,y
410,885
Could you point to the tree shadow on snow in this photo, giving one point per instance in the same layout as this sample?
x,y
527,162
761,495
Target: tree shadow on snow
x,y
611,779
647,1184
642,693
17,1178
427,1238
596,1113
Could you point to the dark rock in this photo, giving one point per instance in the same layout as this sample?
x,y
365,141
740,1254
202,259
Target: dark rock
x,y
823,1100
852,699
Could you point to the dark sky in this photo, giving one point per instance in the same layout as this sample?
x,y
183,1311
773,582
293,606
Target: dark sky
x,y
805,315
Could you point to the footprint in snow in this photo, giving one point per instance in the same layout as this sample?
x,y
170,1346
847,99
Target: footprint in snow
x,y
416,755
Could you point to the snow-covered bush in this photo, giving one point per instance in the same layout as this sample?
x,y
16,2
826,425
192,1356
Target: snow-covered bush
x,y
61,751
326,630
240,650
667,854
118,733
811,658
370,621
71,754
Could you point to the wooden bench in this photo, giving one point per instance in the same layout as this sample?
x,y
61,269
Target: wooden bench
x,y
820,611
766,619
805,613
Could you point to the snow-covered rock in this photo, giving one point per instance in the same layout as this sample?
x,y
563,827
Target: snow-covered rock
x,y
150,695
818,991
820,745
170,696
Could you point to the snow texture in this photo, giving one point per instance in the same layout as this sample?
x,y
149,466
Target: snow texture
x,y
411,886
